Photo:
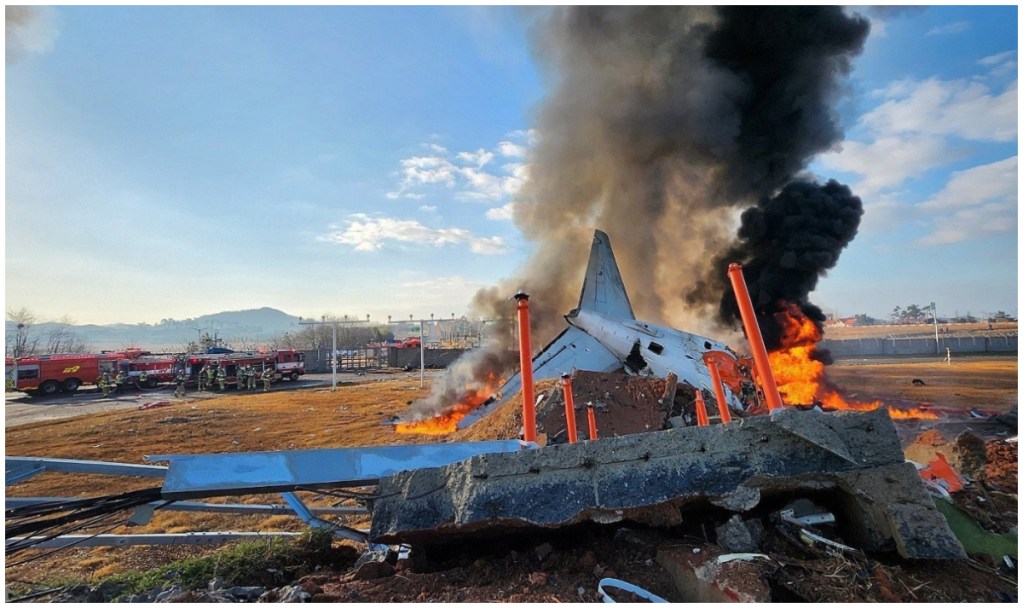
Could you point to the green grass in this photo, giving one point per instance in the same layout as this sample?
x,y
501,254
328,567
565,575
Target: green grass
x,y
268,563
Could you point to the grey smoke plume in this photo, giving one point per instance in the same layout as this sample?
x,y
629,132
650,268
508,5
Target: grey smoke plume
x,y
662,123
29,30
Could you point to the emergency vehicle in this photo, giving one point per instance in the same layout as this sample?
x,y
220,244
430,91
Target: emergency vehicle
x,y
290,363
51,374
285,363
158,369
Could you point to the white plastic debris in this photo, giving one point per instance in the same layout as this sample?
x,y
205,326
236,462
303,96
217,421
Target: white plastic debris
x,y
810,538
746,557
624,586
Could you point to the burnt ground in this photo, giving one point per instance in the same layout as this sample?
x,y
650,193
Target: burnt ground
x,y
535,566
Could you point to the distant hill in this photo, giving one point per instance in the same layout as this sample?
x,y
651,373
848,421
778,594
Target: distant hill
x,y
172,334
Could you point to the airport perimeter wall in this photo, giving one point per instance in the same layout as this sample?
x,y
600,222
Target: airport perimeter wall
x,y
375,358
887,346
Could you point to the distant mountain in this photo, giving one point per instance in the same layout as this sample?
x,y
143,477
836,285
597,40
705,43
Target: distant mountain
x,y
171,334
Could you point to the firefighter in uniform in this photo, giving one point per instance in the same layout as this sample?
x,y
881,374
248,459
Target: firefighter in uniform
x,y
119,381
221,378
253,376
268,375
179,391
143,378
104,384
202,378
247,378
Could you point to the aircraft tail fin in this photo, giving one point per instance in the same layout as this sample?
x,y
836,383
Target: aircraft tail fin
x,y
603,290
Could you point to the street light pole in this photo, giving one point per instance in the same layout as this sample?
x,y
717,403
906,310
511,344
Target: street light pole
x,y
198,336
333,352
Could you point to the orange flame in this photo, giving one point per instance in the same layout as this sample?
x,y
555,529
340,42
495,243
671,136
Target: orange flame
x,y
471,397
800,376
447,421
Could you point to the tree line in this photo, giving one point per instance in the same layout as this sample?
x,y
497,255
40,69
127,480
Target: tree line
x,y
24,341
915,313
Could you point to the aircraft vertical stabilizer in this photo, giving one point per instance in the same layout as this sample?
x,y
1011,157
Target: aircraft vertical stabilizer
x,y
603,289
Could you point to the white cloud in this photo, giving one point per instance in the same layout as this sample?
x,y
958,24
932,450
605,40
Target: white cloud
x,y
428,208
952,28
1001,65
364,233
504,212
467,172
511,149
956,107
888,161
975,203
480,158
917,127
985,183
992,60
884,212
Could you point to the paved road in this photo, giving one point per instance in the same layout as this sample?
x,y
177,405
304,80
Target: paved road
x,y
23,409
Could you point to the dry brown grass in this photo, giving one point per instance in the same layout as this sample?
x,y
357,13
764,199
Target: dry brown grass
x,y
966,384
880,331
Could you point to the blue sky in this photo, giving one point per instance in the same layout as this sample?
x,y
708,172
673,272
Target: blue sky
x,y
177,161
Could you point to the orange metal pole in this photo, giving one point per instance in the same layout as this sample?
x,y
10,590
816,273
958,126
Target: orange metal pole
x,y
592,419
566,382
756,339
719,392
526,363
701,410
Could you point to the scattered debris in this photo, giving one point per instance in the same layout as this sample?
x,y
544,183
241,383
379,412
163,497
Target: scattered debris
x,y
613,583
151,404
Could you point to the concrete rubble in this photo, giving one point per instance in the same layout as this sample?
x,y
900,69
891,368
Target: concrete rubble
x,y
851,461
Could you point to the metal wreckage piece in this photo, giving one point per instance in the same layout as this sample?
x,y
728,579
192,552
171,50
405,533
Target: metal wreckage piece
x,y
210,475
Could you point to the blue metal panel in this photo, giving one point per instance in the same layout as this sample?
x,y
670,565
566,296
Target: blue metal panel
x,y
98,467
200,475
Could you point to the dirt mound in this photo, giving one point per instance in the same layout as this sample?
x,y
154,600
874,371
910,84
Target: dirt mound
x,y
623,405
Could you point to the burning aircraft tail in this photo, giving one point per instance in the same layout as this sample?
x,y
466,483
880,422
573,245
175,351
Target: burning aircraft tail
x,y
603,290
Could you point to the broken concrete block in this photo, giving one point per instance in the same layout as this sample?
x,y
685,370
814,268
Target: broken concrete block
x,y
855,456
700,578
738,536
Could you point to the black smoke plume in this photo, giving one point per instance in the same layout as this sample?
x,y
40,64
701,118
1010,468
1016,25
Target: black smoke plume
x,y
786,243
662,122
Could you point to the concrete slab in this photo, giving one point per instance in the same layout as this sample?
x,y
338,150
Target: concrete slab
x,y
651,477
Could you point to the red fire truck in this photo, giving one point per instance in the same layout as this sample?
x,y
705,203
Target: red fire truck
x,y
158,369
51,374
285,363
290,363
